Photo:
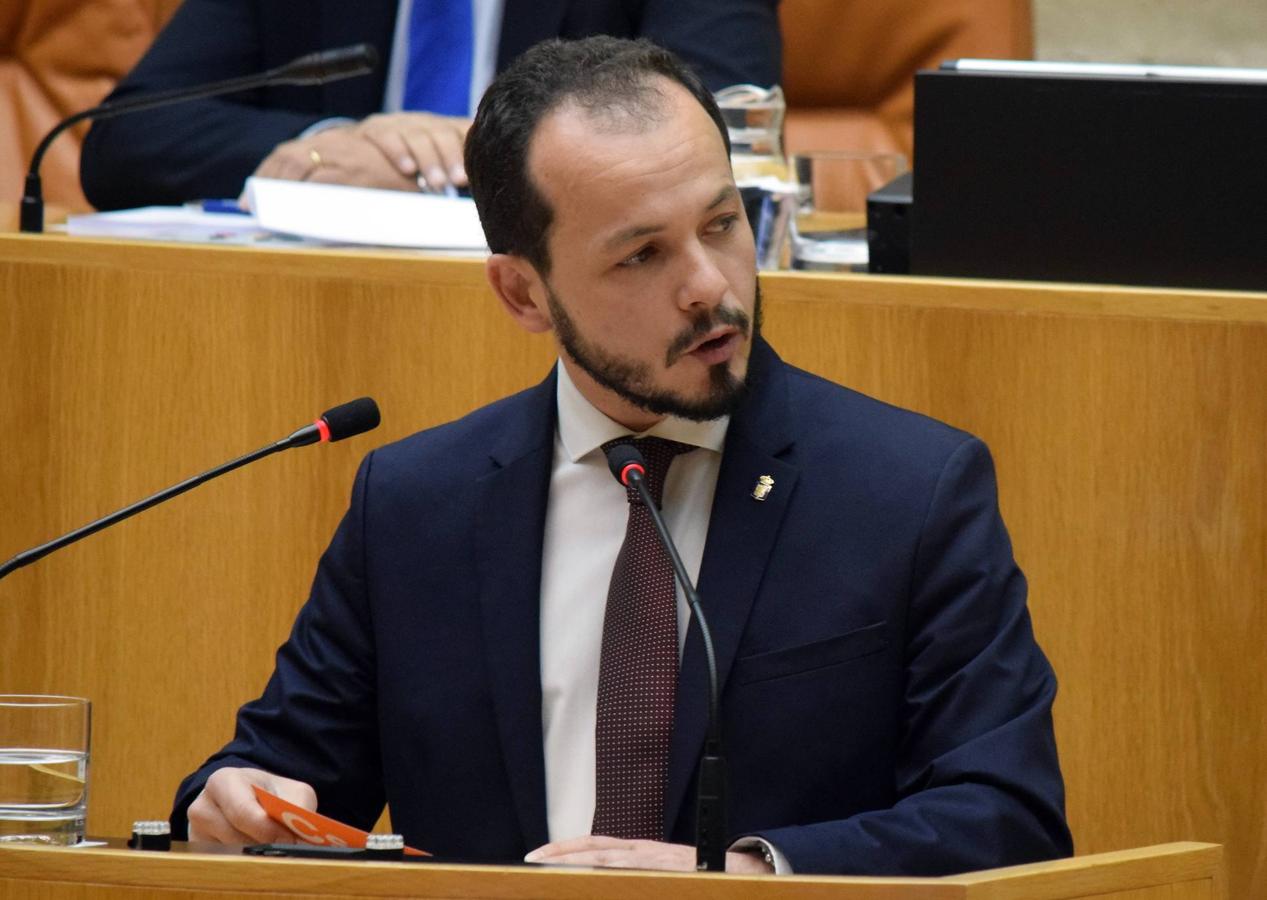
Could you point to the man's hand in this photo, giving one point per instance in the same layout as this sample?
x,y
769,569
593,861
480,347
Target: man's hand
x,y
226,812
617,853
400,151
420,144
338,155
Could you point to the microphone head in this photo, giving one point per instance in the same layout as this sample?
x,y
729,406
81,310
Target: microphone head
x,y
329,65
350,419
624,459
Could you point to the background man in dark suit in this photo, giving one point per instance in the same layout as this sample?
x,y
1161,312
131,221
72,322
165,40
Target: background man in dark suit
x,y
208,148
885,705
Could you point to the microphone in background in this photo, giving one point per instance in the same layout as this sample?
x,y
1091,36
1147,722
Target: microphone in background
x,y
630,469
344,421
314,68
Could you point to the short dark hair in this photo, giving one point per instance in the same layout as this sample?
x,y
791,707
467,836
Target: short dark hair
x,y
603,75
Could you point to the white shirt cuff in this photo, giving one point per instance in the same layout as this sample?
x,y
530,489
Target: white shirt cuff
x,y
771,853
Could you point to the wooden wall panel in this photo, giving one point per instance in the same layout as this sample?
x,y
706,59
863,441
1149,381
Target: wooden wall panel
x,y
1129,429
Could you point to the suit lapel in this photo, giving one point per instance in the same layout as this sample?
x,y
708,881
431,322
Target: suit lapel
x,y
741,535
510,520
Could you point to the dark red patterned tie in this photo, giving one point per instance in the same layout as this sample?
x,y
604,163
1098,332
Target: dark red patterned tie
x,y
637,673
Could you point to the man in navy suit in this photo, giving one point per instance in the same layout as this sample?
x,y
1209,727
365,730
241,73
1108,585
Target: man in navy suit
x,y
885,706
354,131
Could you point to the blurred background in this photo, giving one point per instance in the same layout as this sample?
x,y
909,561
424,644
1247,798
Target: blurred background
x,y
847,73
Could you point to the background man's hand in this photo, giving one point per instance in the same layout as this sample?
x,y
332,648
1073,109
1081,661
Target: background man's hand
x,y
397,151
423,144
226,812
617,853
338,155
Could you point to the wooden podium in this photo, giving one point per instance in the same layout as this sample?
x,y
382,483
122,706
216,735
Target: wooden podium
x,y
1128,427
1183,871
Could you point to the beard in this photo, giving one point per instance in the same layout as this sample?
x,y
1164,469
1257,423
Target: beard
x,y
632,379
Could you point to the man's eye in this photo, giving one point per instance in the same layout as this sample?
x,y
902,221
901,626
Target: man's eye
x,y
724,224
637,258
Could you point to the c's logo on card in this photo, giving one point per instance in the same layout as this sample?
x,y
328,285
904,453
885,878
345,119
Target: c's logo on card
x,y
306,831
312,827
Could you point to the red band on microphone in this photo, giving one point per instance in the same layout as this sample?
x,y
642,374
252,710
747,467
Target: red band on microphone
x,y
324,430
628,467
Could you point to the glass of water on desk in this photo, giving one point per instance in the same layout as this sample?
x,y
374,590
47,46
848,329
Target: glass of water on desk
x,y
43,768
829,230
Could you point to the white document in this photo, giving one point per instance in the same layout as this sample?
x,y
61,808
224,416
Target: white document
x,y
167,223
354,215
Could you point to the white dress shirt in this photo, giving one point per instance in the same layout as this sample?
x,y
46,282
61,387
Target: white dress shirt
x,y
585,526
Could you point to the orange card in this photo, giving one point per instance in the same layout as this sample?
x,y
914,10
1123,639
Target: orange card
x,y
314,828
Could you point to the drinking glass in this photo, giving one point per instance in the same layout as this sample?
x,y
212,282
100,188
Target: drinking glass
x,y
829,230
754,121
43,768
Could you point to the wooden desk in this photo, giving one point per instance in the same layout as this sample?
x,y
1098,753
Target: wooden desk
x,y
1184,871
1129,427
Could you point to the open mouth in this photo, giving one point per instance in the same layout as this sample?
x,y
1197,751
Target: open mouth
x,y
715,344
717,349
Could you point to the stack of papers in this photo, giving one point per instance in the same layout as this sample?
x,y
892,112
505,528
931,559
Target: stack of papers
x,y
352,215
300,213
187,224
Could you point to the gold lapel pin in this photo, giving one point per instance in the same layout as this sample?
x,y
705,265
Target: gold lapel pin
x,y
764,485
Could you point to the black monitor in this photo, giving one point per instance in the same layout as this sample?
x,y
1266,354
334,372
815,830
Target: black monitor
x,y
1114,174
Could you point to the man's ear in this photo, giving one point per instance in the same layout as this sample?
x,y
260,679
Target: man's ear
x,y
521,290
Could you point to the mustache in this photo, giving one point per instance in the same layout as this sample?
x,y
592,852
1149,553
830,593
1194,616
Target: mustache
x,y
722,315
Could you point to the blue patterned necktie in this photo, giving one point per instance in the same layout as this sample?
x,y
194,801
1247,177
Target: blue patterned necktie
x,y
441,45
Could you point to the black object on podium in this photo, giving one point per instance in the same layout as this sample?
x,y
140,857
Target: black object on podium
x,y
1122,175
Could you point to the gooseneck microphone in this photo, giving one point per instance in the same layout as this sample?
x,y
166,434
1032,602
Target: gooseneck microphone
x,y
313,68
630,469
334,425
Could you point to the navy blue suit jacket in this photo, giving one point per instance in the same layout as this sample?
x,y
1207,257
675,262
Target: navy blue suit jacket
x,y
207,148
885,707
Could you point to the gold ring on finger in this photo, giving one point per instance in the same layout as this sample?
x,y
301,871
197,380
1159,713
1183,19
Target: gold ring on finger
x,y
315,157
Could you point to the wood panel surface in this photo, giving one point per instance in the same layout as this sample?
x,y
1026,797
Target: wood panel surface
x,y
1181,871
1129,428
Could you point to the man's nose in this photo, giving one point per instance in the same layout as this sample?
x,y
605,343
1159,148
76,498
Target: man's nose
x,y
703,282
